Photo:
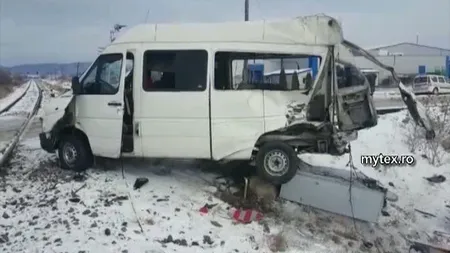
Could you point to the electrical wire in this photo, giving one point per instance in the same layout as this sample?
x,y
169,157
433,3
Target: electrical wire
x,y
352,170
131,200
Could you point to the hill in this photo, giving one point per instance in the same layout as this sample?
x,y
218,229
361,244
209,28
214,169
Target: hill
x,y
67,69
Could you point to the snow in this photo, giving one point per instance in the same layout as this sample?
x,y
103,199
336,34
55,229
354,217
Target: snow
x,y
57,84
43,219
26,104
18,115
11,98
386,93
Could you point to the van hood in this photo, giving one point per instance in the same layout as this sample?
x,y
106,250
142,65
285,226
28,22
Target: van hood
x,y
54,110
58,104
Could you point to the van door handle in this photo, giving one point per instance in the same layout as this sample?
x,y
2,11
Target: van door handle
x,y
113,103
136,129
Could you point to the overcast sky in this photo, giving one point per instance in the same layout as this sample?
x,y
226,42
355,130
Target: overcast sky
x,y
38,31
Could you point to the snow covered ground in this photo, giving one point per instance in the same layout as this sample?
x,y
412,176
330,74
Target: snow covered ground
x,y
44,210
60,83
26,104
386,93
11,98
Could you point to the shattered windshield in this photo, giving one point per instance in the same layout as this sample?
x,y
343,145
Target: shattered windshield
x,y
348,75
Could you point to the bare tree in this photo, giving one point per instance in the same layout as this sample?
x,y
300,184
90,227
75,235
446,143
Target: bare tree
x,y
438,107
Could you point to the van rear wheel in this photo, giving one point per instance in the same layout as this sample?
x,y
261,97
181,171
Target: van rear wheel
x,y
276,162
74,153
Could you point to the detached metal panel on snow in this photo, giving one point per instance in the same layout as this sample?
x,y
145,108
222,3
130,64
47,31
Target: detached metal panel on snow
x,y
328,189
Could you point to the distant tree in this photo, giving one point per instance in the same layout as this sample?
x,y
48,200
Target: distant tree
x,y
18,79
5,77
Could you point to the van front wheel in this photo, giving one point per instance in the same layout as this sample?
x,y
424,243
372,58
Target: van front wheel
x,y
74,154
276,162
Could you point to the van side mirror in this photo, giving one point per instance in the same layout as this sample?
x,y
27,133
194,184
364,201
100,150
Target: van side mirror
x,y
76,85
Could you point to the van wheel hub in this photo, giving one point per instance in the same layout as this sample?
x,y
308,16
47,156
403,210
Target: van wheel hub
x,y
276,162
69,153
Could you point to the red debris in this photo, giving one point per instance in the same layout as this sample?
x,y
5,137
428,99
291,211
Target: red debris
x,y
245,215
204,210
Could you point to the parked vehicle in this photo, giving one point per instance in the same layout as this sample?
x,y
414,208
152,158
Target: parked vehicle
x,y
180,98
431,84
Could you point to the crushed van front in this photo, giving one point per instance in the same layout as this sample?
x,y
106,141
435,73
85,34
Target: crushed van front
x,y
415,107
51,114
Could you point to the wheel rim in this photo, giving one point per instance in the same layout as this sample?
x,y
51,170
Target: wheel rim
x,y
276,163
69,153
435,92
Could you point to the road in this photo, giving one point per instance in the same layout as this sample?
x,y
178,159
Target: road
x,y
390,98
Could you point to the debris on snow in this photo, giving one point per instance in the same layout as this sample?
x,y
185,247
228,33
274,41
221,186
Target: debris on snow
x,y
436,179
171,205
140,182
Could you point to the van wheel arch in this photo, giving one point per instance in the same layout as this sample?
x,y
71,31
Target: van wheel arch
x,y
80,141
435,91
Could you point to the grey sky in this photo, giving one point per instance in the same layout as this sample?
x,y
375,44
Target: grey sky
x,y
37,31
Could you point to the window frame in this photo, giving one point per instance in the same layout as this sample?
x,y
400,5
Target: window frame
x,y
144,69
441,78
434,79
95,66
231,59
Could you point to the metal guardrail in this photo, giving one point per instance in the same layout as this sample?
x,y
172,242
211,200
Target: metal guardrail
x,y
19,134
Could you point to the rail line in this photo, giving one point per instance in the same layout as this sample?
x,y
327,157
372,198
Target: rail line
x,y
6,151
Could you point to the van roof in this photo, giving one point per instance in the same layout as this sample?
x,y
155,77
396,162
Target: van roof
x,y
316,30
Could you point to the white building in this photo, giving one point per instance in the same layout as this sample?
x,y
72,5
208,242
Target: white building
x,y
406,58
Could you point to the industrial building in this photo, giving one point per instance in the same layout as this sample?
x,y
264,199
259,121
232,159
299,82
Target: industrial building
x,y
408,59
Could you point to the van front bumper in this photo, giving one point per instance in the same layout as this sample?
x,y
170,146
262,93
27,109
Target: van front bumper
x,y
47,143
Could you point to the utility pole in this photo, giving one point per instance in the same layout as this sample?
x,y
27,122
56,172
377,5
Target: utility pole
x,y
246,9
245,67
78,68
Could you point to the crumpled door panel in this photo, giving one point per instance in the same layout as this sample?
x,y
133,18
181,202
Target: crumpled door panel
x,y
415,108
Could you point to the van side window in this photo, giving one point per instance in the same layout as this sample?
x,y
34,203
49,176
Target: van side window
x,y
441,79
265,71
104,76
434,79
170,70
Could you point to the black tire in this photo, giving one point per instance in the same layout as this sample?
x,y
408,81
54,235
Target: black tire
x,y
279,151
74,153
435,91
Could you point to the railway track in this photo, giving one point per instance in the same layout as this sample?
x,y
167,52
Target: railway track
x,y
16,117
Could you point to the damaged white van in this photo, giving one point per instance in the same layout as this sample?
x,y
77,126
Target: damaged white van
x,y
183,91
